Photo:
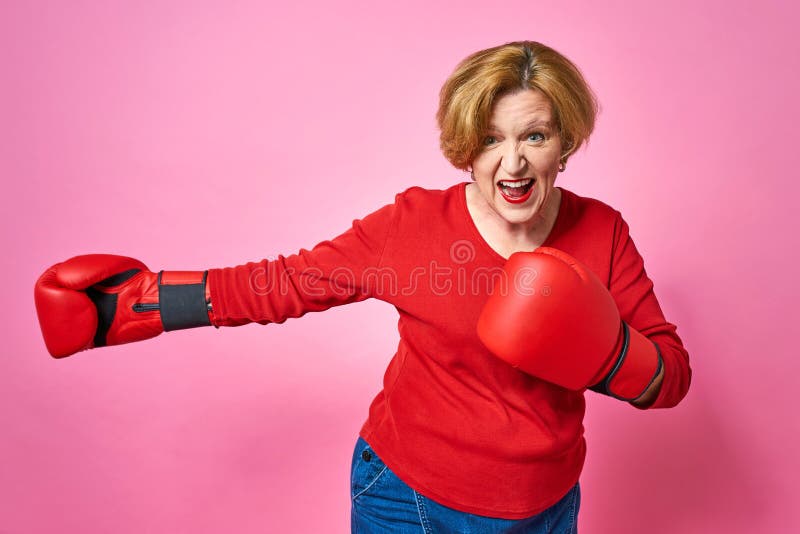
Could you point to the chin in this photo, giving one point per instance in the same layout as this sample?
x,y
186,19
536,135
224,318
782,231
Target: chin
x,y
520,216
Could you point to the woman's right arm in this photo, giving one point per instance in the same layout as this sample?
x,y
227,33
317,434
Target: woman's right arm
x,y
98,300
335,272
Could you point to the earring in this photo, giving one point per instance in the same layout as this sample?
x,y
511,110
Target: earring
x,y
562,166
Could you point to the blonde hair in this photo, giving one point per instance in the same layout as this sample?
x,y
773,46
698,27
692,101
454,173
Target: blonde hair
x,y
467,97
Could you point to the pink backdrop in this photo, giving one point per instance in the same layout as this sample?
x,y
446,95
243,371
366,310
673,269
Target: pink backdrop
x,y
199,134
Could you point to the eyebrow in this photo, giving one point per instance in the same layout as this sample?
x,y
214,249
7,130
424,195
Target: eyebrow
x,y
529,125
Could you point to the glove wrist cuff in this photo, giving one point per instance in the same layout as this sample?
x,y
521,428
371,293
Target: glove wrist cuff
x,y
637,366
182,299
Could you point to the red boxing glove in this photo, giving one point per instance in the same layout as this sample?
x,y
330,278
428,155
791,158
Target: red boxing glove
x,y
552,318
101,299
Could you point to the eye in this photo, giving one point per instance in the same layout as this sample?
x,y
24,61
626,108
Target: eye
x,y
535,134
489,140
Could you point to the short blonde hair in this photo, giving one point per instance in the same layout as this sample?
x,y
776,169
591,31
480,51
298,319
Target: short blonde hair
x,y
467,97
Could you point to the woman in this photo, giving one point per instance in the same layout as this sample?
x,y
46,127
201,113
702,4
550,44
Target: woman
x,y
458,440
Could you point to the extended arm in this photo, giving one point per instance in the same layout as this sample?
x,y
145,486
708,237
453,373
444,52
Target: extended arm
x,y
100,299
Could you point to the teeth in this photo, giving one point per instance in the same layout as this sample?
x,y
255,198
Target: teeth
x,y
521,183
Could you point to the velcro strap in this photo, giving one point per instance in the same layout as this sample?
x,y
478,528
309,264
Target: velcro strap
x,y
635,370
174,278
182,299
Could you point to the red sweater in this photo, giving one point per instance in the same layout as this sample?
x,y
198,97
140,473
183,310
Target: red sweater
x,y
454,422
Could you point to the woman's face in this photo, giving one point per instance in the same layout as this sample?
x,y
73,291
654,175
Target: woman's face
x,y
517,166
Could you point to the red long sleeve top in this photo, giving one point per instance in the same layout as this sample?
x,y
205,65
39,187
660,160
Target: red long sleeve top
x,y
454,422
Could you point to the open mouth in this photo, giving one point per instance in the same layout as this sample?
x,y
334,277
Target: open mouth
x,y
516,191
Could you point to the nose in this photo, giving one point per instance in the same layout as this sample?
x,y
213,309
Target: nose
x,y
513,162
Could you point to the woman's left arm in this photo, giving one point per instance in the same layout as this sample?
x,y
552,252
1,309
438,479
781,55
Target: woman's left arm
x,y
633,293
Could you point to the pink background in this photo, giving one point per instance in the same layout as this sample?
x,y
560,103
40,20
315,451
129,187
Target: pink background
x,y
201,134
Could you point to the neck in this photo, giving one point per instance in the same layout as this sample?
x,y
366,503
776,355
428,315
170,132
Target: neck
x,y
534,230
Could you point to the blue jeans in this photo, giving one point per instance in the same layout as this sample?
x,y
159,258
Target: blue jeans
x,y
382,503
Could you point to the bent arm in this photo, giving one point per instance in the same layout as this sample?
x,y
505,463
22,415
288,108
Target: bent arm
x,y
633,292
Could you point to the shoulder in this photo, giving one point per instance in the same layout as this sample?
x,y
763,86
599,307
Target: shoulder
x,y
421,199
589,224
423,194
590,208
415,198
